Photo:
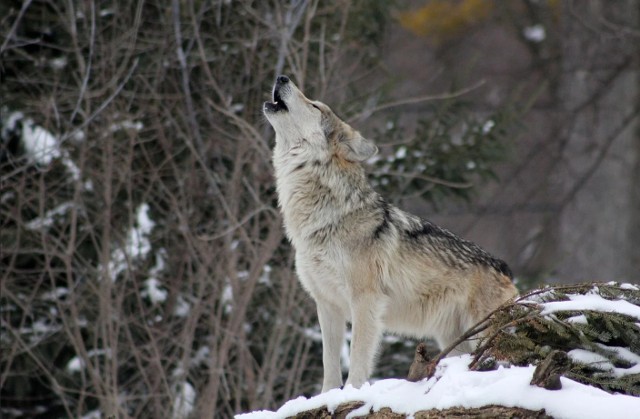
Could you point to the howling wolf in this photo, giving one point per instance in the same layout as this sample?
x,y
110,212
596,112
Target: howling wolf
x,y
361,259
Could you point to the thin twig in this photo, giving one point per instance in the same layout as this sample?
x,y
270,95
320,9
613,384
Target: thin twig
x,y
86,69
9,35
417,99
451,184
479,327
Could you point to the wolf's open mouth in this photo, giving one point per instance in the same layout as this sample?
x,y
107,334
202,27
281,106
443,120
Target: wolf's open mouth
x,y
278,104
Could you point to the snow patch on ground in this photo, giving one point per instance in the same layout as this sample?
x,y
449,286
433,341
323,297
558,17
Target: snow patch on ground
x,y
454,385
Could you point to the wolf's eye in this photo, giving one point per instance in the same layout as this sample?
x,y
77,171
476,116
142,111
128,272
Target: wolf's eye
x,y
316,106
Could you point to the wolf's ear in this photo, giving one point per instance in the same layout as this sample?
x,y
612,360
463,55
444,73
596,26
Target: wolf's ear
x,y
358,148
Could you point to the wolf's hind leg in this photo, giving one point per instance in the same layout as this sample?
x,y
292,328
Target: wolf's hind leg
x,y
332,326
366,320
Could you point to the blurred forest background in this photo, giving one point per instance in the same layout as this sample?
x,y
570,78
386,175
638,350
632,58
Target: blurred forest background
x,y
143,267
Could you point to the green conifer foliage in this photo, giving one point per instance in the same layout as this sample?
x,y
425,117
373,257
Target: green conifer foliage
x,y
603,345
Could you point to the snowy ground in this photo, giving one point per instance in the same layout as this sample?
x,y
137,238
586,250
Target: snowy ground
x,y
455,386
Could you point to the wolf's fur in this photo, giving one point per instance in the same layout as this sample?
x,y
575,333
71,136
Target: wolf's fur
x,y
362,259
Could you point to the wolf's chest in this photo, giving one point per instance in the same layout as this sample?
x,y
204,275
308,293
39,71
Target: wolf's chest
x,y
311,216
323,274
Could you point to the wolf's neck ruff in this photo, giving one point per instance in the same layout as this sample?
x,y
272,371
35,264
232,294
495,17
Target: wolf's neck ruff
x,y
315,192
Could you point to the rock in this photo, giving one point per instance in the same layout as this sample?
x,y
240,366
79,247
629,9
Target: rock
x,y
547,373
421,367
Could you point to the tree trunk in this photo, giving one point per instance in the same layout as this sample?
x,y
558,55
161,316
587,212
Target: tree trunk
x,y
600,150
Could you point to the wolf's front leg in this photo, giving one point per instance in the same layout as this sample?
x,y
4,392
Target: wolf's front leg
x,y
366,329
332,326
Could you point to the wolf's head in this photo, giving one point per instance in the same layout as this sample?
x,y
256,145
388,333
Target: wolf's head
x,y
310,124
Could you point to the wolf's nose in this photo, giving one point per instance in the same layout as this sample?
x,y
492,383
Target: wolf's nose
x,y
282,79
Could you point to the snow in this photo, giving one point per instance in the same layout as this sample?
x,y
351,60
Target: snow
x,y
153,290
202,356
78,136
55,294
345,359
592,302
590,358
265,278
313,333
126,125
77,364
137,245
74,170
39,330
183,308
535,33
183,404
9,124
237,107
48,219
454,385
93,414
227,298
145,224
579,319
602,363
58,63
106,12
623,353
488,126
39,143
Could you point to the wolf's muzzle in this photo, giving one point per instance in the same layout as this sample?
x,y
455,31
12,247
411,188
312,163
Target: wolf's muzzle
x,y
278,104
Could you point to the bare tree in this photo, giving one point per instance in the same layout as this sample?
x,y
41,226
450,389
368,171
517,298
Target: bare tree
x,y
144,268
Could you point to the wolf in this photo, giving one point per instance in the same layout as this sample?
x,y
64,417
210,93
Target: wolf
x,y
361,259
